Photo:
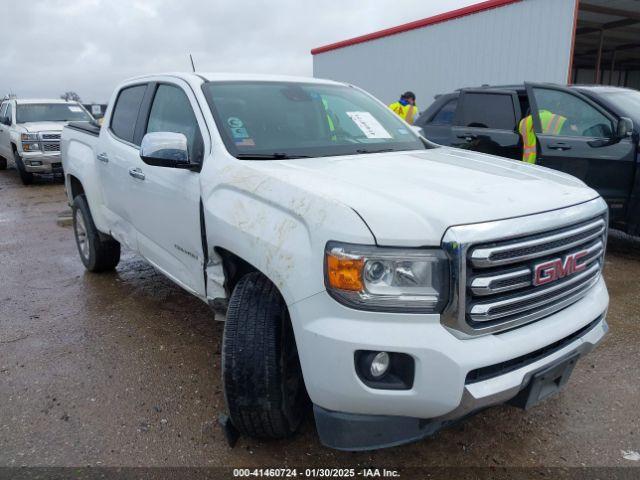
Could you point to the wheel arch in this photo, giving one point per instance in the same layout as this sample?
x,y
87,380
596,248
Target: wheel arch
x,y
234,267
75,186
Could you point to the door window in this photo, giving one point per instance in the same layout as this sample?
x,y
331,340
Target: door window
x,y
125,112
3,108
488,110
577,118
9,112
171,112
446,114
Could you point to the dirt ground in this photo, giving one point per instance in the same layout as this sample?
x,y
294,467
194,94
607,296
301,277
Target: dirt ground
x,y
123,369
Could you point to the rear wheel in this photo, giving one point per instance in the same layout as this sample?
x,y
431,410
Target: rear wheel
x,y
26,177
262,378
98,251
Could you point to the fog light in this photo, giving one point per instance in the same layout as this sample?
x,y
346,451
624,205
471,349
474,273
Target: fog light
x,y
379,365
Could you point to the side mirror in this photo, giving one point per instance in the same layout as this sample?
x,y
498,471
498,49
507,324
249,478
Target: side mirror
x,y
5,120
165,149
625,128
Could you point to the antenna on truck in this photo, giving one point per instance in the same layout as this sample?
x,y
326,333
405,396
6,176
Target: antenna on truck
x,y
193,67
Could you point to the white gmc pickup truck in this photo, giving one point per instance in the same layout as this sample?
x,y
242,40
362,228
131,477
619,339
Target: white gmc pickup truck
x,y
397,284
30,134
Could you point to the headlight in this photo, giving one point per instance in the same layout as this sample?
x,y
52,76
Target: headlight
x,y
30,142
387,279
30,146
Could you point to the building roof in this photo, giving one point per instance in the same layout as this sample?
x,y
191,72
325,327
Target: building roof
x,y
425,22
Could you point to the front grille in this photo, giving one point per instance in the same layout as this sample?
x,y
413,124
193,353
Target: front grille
x,y
51,147
50,136
500,275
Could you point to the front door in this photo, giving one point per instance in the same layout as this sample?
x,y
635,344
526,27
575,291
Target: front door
x,y
166,201
584,144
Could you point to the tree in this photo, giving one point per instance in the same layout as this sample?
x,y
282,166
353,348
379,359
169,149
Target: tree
x,y
70,96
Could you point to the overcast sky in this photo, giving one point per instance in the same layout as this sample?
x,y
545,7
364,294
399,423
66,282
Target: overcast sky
x,y
50,46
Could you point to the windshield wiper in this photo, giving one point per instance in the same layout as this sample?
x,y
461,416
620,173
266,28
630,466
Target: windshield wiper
x,y
268,156
382,150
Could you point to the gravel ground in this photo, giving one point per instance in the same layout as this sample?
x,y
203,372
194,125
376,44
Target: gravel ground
x,y
123,369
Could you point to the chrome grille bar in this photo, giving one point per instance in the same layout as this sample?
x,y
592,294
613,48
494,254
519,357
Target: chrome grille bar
x,y
488,285
537,247
486,312
505,282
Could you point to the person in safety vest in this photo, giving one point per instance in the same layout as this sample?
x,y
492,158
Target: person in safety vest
x,y
331,123
406,107
551,123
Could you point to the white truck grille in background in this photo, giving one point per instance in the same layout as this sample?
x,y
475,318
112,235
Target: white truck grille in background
x,y
50,142
51,136
500,275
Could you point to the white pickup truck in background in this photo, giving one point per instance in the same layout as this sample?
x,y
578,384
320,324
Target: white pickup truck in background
x,y
397,284
30,134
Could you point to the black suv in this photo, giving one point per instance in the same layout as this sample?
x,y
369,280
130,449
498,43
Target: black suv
x,y
598,142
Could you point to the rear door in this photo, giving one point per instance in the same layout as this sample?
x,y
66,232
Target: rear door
x,y
487,121
585,146
117,148
437,121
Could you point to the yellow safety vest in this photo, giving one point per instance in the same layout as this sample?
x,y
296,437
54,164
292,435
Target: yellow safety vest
x,y
406,112
551,124
332,127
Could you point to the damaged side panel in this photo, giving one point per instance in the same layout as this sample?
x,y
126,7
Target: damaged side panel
x,y
277,228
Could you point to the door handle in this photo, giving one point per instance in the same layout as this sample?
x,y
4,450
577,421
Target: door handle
x,y
560,146
136,173
467,136
103,157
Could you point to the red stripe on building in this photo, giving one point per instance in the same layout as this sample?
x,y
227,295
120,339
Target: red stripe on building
x,y
425,22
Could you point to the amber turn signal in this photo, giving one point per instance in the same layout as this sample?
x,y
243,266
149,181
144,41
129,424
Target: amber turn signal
x,y
345,273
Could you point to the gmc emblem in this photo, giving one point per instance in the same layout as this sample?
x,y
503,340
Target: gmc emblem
x,y
554,270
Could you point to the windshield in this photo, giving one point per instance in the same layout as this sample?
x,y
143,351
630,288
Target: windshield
x,y
626,100
50,112
264,120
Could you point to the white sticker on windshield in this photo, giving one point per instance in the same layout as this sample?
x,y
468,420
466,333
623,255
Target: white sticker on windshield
x,y
73,108
369,125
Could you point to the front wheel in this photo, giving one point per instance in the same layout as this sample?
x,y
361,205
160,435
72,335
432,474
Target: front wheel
x,y
98,252
262,378
26,177
3,163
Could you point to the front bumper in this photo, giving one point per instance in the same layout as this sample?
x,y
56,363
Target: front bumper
x,y
37,162
352,416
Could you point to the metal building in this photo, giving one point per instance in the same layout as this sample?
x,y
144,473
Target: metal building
x,y
496,42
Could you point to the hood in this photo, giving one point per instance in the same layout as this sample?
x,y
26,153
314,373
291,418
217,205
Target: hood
x,y
411,198
33,127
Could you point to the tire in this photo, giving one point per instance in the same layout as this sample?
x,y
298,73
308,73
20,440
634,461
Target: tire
x,y
261,373
3,163
98,252
26,177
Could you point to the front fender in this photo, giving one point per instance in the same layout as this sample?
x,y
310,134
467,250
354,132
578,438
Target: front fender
x,y
280,229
